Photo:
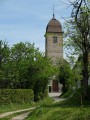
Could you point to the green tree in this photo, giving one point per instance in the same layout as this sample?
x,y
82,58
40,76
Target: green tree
x,y
41,70
65,76
77,71
24,66
79,37
4,59
31,69
22,55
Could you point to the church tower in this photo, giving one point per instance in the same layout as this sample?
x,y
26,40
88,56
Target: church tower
x,y
54,49
54,40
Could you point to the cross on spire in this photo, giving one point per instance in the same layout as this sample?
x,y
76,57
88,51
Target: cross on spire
x,y
53,11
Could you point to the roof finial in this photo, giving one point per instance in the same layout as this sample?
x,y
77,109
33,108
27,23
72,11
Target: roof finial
x,y
53,12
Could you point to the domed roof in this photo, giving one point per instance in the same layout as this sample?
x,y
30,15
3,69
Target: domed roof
x,y
54,26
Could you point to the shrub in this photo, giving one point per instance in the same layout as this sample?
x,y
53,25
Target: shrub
x,y
19,96
77,99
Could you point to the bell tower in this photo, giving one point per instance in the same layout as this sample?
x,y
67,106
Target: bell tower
x,y
54,40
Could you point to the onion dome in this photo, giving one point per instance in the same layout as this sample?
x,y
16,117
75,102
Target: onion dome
x,y
54,26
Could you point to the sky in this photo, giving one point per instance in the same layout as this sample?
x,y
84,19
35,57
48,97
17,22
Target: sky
x,y
26,20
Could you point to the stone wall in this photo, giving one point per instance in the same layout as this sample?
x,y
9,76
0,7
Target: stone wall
x,y
54,50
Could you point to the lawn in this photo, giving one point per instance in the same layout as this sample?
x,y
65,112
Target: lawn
x,y
56,112
70,109
53,111
12,107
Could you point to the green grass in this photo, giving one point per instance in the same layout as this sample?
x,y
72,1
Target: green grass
x,y
13,115
67,94
60,113
70,109
12,107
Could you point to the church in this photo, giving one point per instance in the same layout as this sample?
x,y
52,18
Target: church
x,y
54,48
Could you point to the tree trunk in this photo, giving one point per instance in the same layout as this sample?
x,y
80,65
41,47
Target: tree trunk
x,y
85,74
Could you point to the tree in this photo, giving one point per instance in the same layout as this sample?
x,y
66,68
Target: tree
x,y
77,71
65,75
41,71
79,37
24,66
4,59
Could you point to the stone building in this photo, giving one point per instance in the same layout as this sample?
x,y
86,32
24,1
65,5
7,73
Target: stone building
x,y
54,48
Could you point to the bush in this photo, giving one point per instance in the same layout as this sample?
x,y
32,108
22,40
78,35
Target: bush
x,y
67,94
76,99
19,96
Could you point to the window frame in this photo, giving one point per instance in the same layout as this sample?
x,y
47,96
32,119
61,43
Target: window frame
x,y
54,39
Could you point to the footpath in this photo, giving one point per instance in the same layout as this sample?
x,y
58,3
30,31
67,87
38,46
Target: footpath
x,y
21,117
56,97
24,115
18,111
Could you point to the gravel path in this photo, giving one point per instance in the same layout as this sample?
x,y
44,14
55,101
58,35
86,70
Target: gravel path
x,y
17,111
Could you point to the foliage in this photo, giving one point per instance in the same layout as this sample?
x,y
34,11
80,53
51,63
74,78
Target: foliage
x,y
14,106
4,58
77,70
79,39
58,112
26,68
19,96
76,99
9,117
67,94
65,75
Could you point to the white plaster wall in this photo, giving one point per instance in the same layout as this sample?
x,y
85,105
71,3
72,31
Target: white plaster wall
x,y
89,81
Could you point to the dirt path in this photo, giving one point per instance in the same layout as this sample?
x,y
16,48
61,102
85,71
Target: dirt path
x,y
17,111
56,97
21,117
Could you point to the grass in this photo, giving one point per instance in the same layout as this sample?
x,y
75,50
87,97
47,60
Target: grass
x,y
13,115
70,109
12,107
67,94
60,113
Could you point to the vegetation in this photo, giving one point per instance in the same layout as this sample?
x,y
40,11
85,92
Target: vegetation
x,y
60,113
9,117
18,96
73,108
25,71
67,94
14,106
79,39
24,67
65,76
76,99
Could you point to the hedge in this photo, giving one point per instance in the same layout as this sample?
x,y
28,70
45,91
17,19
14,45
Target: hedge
x,y
19,96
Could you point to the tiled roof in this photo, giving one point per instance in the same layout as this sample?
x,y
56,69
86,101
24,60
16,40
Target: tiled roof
x,y
54,26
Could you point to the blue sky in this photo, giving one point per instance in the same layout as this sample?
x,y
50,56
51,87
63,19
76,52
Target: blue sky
x,y
26,20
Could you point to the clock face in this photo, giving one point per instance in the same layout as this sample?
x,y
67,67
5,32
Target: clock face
x,y
55,39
